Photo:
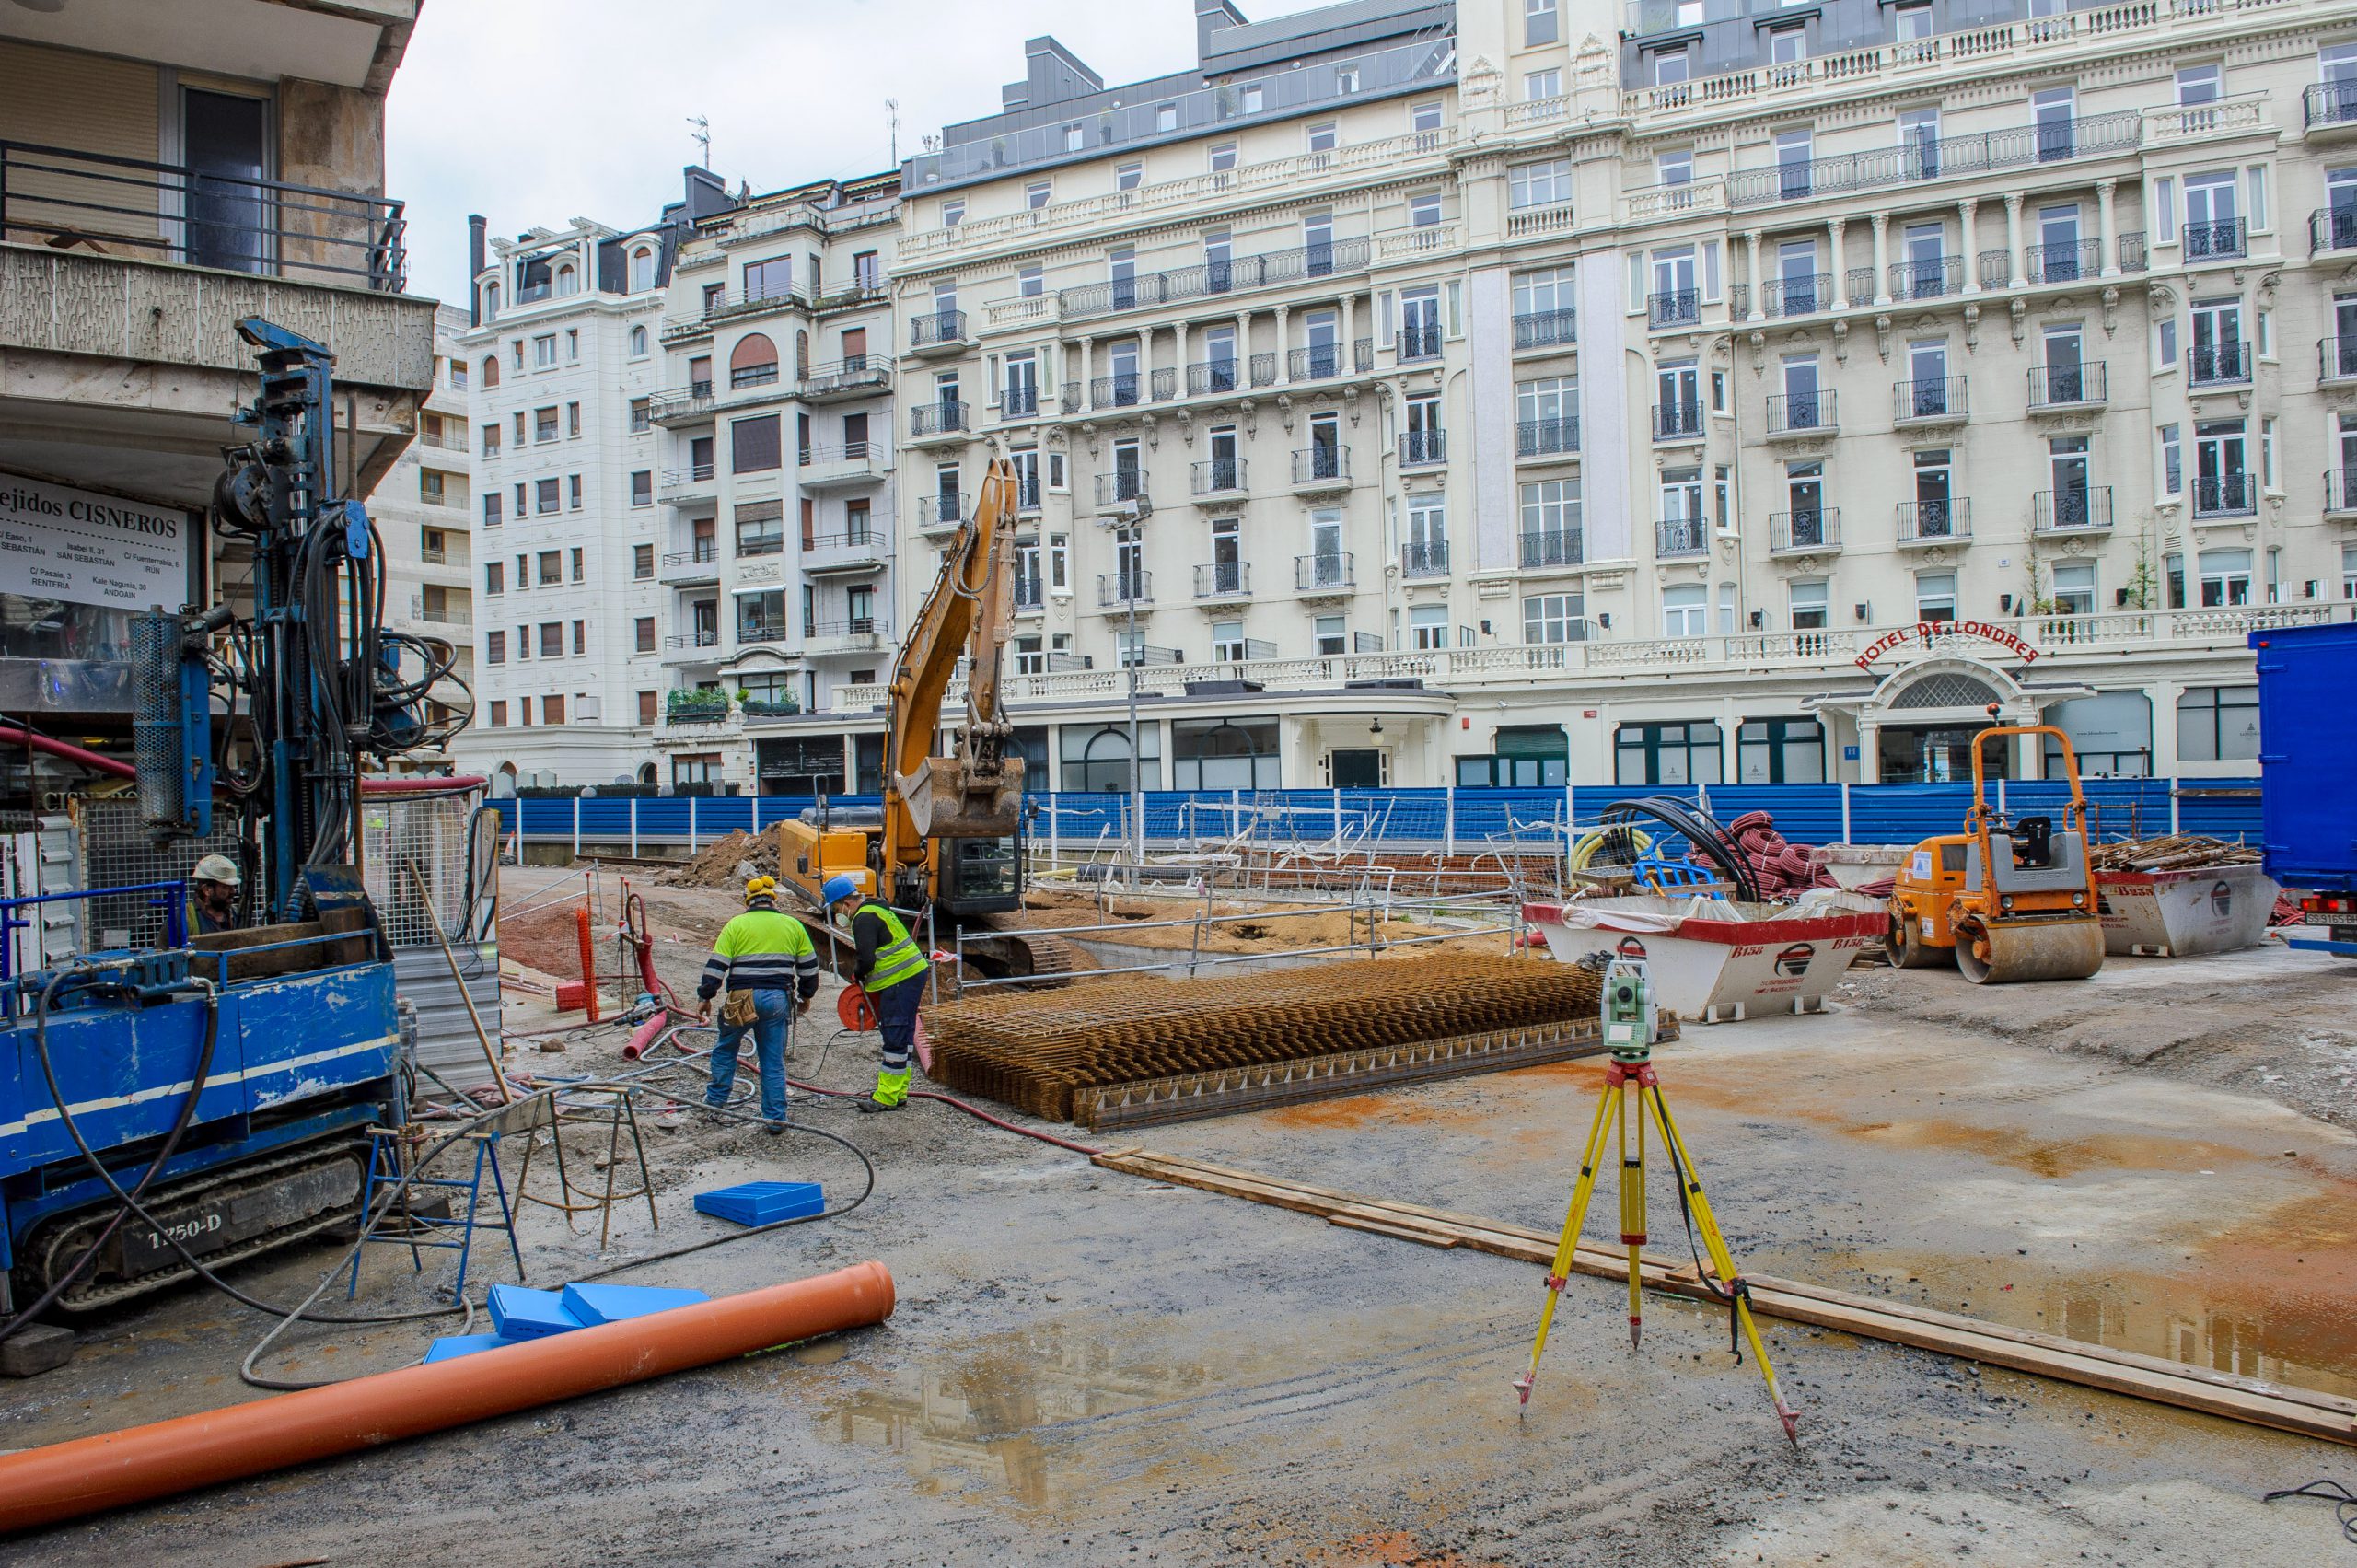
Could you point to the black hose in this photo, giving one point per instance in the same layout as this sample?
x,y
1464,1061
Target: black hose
x,y
65,1282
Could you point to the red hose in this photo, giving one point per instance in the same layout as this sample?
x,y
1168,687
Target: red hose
x,y
108,765
423,783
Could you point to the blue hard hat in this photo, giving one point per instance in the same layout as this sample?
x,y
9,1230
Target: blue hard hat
x,y
838,888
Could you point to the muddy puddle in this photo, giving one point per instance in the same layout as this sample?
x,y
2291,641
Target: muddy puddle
x,y
1000,1414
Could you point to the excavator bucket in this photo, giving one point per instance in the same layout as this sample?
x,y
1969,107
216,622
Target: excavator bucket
x,y
944,803
2002,953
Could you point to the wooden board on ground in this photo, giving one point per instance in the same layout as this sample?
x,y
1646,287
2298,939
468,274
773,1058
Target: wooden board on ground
x,y
2284,1408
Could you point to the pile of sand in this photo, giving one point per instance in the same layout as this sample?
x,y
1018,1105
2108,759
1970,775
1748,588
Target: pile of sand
x,y
730,860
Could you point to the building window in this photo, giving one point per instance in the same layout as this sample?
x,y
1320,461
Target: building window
x,y
1099,761
772,278
577,558
1539,23
754,362
1332,635
544,350
546,497
642,416
1537,84
1038,194
494,577
1780,751
2225,577
1673,754
1539,184
2218,723
572,494
1424,209
1935,596
551,639
1811,606
1554,618
761,529
2112,736
1686,610
641,563
498,711
572,348
647,705
1224,753
753,444
641,269
491,440
1221,157
544,425
494,647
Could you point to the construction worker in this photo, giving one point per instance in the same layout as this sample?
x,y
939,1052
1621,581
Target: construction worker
x,y
213,894
762,959
891,969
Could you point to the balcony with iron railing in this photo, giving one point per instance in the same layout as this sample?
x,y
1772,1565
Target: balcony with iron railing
x,y
1423,448
2340,490
939,332
1802,413
1215,376
1935,277
1420,342
1325,572
2135,256
1121,486
1545,550
1677,537
2337,359
1559,436
692,643
1224,580
1546,329
1801,294
1124,389
854,550
2063,260
940,513
2225,495
684,484
694,401
1212,279
1426,559
1678,421
1917,162
2066,385
2071,510
1117,590
1674,307
1019,402
1324,361
451,617
758,631
832,465
2329,106
1935,400
1030,594
2218,364
698,563
1218,478
1321,468
853,634
2332,229
1808,531
2218,240
939,421
1935,521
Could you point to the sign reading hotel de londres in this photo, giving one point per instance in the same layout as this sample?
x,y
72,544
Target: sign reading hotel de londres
x,y
1927,632
86,548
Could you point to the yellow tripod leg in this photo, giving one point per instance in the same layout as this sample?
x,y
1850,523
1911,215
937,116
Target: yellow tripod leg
x,y
1722,1260
1582,1191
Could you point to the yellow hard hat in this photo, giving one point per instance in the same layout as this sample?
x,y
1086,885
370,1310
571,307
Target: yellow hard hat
x,y
759,887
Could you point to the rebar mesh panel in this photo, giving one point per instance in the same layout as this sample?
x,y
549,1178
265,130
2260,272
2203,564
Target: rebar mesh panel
x,y
433,833
119,851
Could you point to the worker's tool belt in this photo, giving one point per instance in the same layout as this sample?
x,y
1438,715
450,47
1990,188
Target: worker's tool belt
x,y
736,1009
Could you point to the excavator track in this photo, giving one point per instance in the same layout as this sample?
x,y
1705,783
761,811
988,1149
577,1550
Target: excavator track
x,y
1006,950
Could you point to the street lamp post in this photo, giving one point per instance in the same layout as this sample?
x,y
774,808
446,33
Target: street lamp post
x,y
1135,656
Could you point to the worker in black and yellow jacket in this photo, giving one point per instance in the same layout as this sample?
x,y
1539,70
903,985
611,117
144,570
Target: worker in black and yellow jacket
x,y
892,970
763,958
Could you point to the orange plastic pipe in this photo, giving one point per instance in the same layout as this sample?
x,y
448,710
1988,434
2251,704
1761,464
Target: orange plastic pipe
x,y
588,961
67,1481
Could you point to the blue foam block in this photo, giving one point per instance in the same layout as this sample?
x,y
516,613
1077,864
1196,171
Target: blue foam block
x,y
762,1203
522,1313
451,1347
611,1304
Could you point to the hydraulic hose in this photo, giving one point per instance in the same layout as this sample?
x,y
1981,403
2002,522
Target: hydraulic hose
x,y
71,753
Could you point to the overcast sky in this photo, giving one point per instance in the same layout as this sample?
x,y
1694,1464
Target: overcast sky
x,y
538,111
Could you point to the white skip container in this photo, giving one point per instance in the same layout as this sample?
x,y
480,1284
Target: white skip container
x,y
1713,959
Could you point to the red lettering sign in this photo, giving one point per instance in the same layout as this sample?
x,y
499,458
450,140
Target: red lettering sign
x,y
1928,631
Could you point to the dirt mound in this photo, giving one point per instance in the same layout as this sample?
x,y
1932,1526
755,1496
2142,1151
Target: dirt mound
x,y
547,939
722,862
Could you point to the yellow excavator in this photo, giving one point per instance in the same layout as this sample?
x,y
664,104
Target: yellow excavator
x,y
949,836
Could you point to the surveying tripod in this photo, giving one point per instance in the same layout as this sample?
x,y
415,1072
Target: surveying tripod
x,y
1629,1028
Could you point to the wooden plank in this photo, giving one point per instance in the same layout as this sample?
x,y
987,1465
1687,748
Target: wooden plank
x,y
2306,1411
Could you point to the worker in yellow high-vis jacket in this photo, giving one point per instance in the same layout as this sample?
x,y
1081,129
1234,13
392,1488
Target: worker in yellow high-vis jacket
x,y
763,958
892,970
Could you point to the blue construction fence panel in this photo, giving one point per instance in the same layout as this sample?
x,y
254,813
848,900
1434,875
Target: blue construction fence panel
x,y
1468,819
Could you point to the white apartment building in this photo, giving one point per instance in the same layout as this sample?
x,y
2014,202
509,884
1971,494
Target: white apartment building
x,y
563,360
1419,393
766,587
424,513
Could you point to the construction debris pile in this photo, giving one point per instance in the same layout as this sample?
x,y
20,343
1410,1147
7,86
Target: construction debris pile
x,y
1033,1051
2178,852
728,860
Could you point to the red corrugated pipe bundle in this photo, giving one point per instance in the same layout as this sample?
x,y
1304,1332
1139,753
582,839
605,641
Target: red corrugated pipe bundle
x,y
1780,868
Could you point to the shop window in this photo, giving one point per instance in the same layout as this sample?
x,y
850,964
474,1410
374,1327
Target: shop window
x,y
1672,754
1780,751
2218,723
1097,761
1224,753
2111,733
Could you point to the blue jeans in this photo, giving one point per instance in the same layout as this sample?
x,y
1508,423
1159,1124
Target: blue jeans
x,y
896,1020
772,1015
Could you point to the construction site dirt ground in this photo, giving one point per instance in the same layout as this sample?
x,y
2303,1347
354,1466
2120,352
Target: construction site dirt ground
x,y
1088,1368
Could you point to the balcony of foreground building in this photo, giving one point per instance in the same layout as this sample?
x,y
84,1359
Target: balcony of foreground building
x,y
1217,482
1215,378
1427,559
1935,277
940,514
843,381
2064,261
2332,229
2225,495
1916,162
1923,524
1423,449
1803,294
2080,510
1542,439
1124,488
1678,539
1320,470
1222,582
435,619
851,636
2218,364
2340,491
2337,359
1678,421
1420,342
121,284
2105,637
841,465
1211,280
1124,590
853,552
2328,109
936,333
681,486
1325,362
2065,387
1933,400
2218,240
700,646
1551,549
1815,530
1673,307
936,421
694,401
1326,572
686,568
1802,414
1546,329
